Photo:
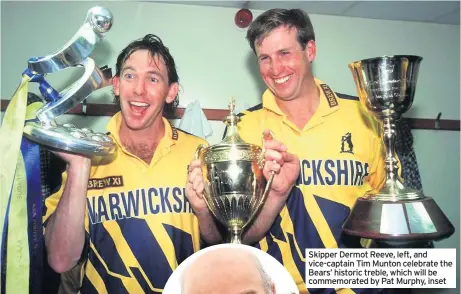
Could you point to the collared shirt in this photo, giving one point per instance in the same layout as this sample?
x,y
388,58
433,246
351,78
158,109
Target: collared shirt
x,y
139,225
341,158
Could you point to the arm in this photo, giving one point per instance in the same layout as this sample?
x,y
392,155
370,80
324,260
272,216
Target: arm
x,y
261,225
65,232
286,168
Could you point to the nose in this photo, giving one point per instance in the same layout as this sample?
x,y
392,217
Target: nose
x,y
140,87
276,67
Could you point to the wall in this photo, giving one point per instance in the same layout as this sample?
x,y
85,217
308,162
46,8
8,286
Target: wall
x,y
215,62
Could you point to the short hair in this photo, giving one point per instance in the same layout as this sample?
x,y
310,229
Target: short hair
x,y
275,18
155,46
266,279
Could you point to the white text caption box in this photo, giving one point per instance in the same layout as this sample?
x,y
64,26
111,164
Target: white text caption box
x,y
381,268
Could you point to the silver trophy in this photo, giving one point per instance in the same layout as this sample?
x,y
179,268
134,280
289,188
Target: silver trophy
x,y
396,214
45,130
235,186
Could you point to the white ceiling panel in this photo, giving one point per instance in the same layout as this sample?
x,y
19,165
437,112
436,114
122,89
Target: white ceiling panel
x,y
426,11
234,4
443,12
450,18
317,7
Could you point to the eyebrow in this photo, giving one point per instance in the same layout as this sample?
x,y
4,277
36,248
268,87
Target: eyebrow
x,y
278,51
248,292
155,72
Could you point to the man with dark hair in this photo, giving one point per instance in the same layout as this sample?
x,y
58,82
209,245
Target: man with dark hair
x,y
126,219
311,120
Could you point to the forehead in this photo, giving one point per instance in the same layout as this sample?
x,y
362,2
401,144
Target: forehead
x,y
236,273
144,60
282,37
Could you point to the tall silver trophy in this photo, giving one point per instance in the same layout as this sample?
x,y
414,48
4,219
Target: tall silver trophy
x,y
235,186
386,88
66,137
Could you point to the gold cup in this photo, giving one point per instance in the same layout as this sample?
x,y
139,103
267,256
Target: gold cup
x,y
235,186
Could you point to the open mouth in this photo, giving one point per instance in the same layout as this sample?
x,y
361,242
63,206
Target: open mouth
x,y
138,107
282,80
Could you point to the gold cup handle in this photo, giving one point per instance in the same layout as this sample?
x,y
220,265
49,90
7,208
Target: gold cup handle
x,y
271,178
197,156
268,184
197,151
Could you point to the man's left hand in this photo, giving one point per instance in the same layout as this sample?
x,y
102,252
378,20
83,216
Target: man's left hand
x,y
284,164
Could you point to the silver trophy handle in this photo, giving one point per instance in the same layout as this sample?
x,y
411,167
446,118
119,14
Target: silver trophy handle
x,y
73,95
75,53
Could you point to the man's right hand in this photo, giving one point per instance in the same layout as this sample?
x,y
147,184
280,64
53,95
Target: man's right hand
x,y
73,160
195,187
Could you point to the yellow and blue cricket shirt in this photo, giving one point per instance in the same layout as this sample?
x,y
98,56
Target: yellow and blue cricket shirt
x,y
139,225
341,158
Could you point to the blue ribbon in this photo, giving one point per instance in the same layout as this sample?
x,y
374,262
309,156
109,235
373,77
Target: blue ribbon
x,y
48,92
31,154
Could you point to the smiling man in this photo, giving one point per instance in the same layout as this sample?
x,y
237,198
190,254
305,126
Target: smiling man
x,y
338,145
127,219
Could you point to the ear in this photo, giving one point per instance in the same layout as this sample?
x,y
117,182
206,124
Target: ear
x,y
273,289
172,93
311,50
116,85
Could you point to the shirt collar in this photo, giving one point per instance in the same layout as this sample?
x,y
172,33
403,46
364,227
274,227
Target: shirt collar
x,y
328,100
169,138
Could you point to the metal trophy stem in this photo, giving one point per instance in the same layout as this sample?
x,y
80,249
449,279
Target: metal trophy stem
x,y
45,130
386,88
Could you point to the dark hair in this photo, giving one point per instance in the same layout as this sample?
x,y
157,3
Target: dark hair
x,y
155,46
274,18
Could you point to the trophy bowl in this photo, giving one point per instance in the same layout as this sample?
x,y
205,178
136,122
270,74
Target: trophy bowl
x,y
235,186
395,214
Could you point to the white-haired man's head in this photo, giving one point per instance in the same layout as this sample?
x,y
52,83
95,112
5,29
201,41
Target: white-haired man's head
x,y
227,270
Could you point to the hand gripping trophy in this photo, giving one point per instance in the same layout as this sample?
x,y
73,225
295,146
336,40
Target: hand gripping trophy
x,y
25,129
396,214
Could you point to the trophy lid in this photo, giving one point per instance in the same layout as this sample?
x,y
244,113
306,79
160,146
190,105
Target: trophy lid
x,y
232,147
232,136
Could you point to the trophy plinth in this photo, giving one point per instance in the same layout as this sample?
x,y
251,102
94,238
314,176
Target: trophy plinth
x,y
235,186
45,130
396,213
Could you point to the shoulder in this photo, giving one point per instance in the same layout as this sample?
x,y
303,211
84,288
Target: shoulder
x,y
250,123
251,115
347,97
186,138
352,105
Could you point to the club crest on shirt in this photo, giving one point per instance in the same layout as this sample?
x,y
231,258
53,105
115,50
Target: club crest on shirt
x,y
346,143
101,183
